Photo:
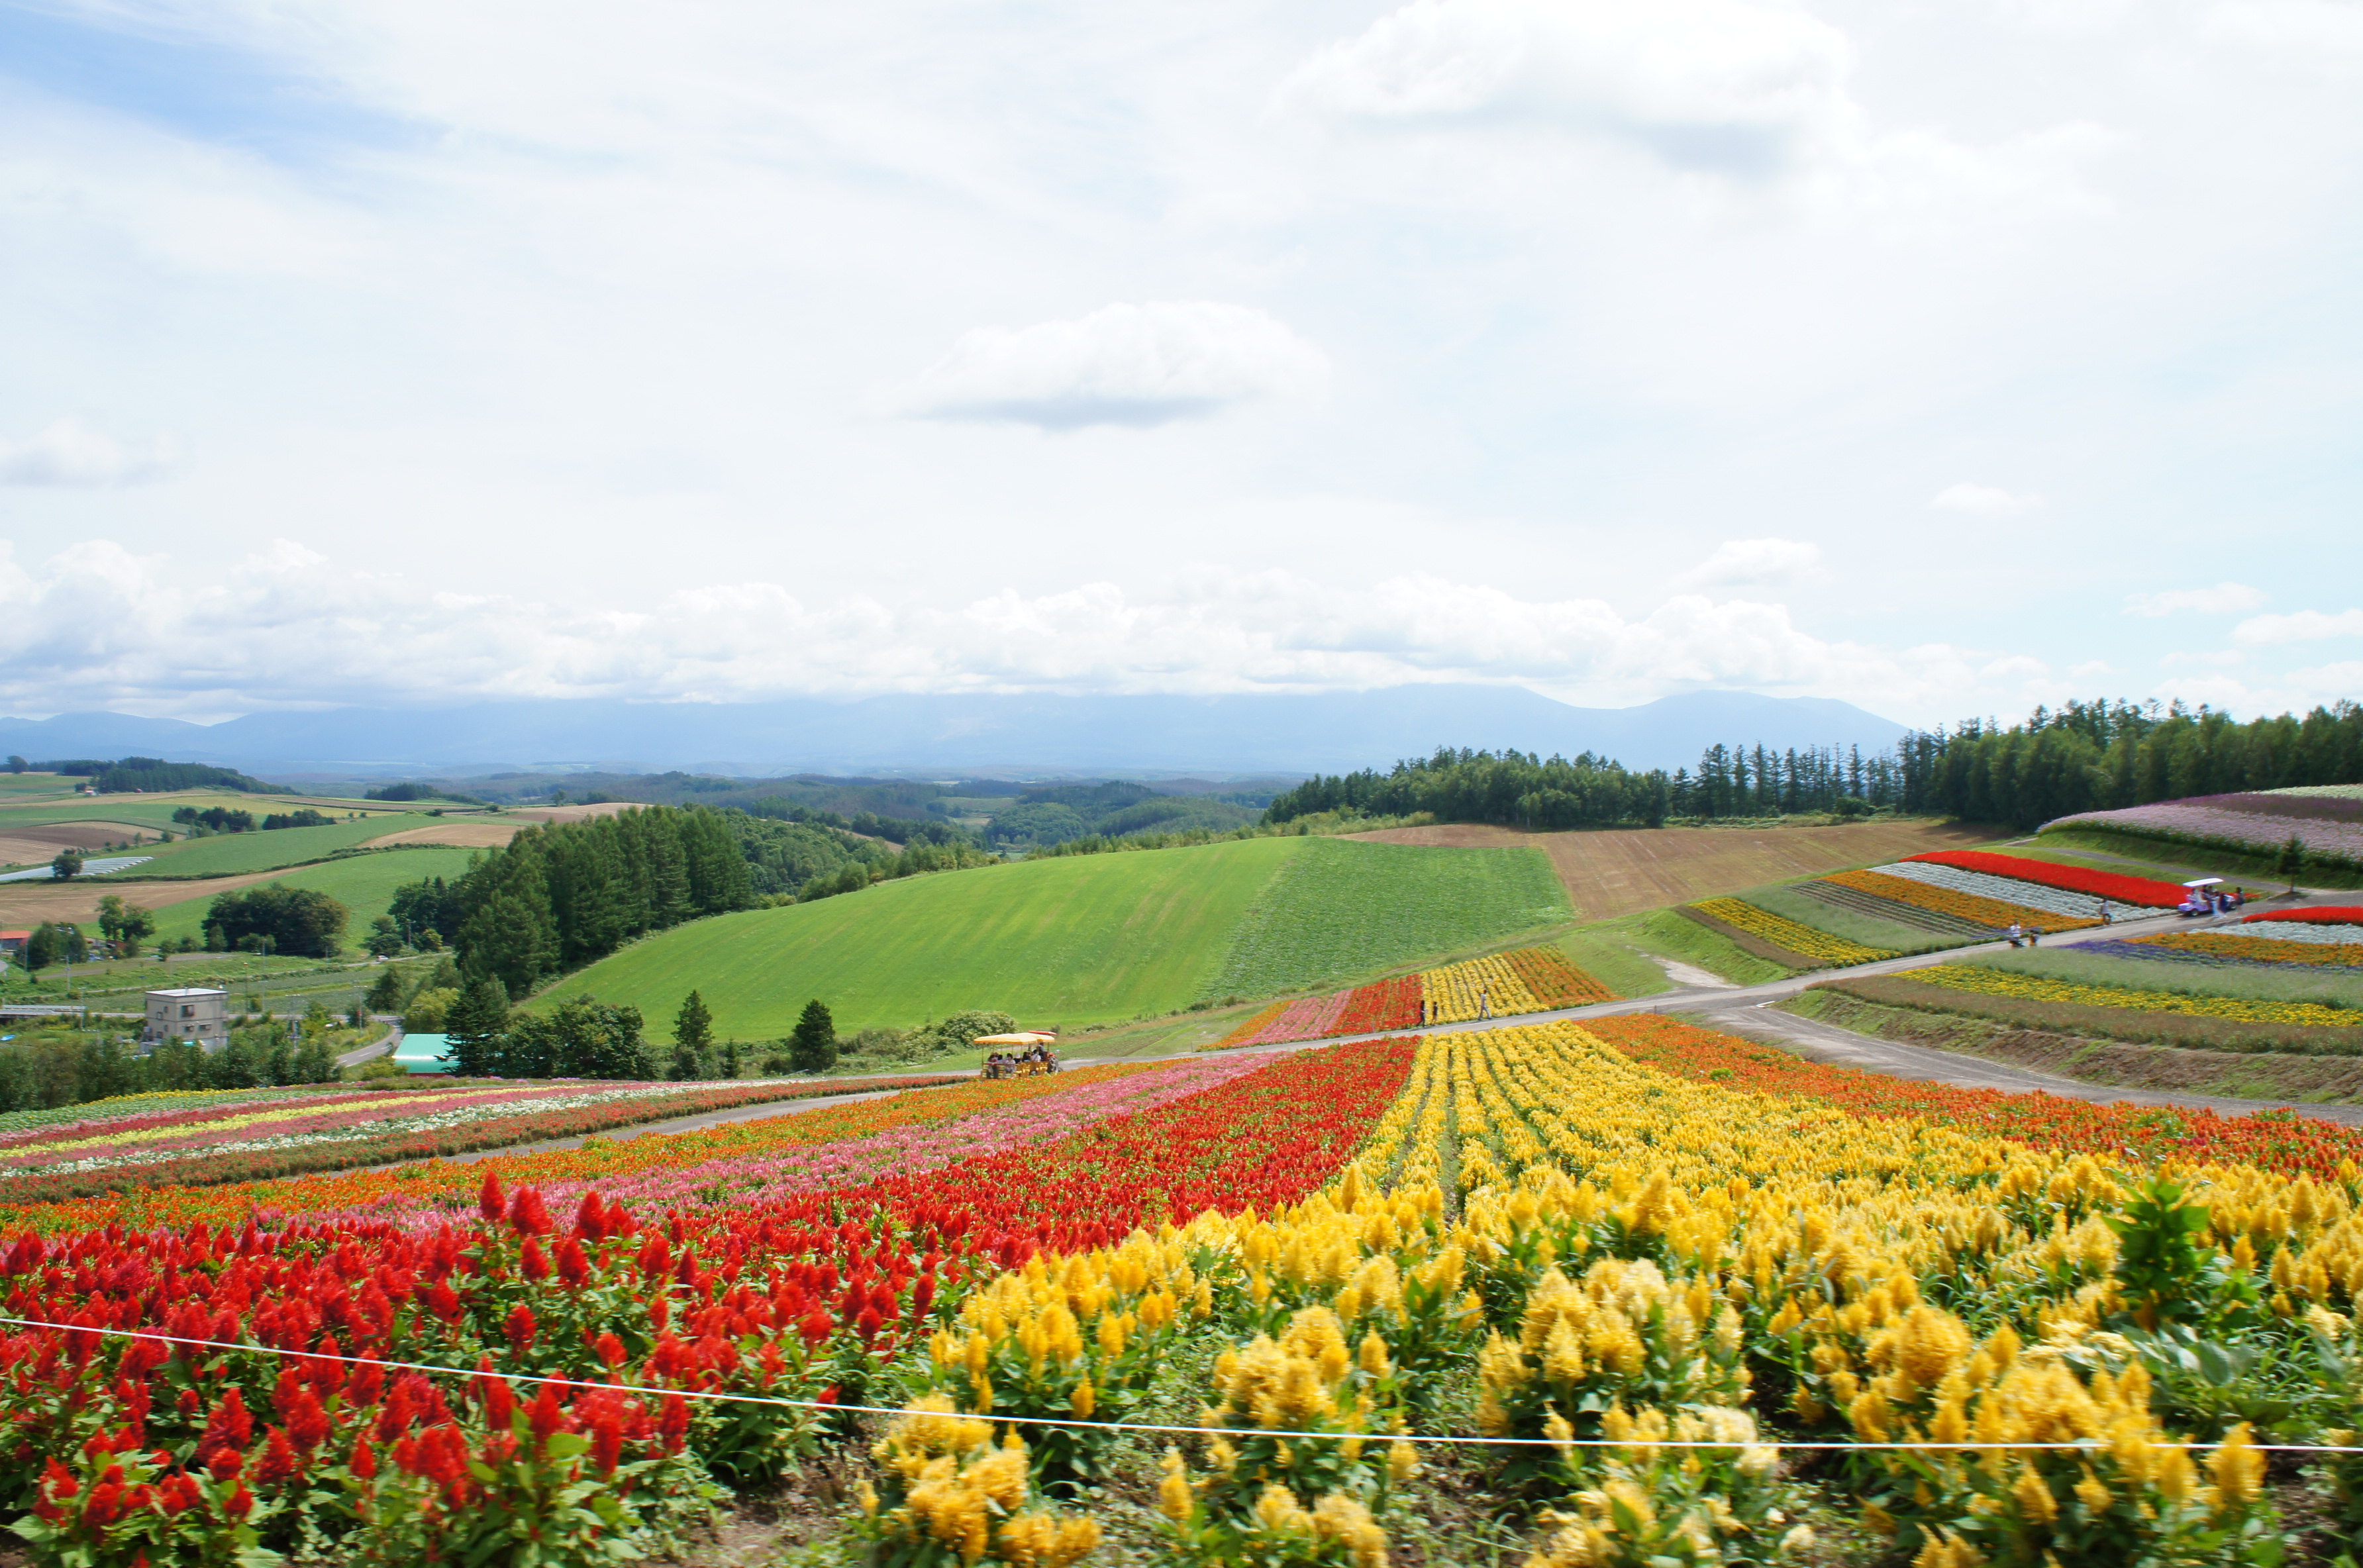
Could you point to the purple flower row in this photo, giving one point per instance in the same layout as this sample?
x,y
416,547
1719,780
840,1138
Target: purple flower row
x,y
2249,831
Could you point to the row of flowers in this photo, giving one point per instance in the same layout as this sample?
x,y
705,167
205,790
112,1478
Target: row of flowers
x,y
355,1138
2083,907
2235,946
1813,945
2113,886
1982,980
2309,914
1992,913
160,1101
1525,979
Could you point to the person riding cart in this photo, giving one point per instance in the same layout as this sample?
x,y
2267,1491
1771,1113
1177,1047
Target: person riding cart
x,y
1025,1055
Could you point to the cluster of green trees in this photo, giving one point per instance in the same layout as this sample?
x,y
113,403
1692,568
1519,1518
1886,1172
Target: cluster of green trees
x,y
1513,788
275,917
153,775
2087,756
54,942
2081,756
45,1068
419,791
1061,813
213,819
563,894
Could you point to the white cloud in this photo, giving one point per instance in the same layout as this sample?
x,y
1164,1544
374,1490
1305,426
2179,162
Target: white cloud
x,y
98,625
71,453
2224,598
1753,562
1122,364
2302,626
1984,501
1670,68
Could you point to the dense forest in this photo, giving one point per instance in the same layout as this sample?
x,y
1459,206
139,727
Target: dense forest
x,y
2100,756
2078,757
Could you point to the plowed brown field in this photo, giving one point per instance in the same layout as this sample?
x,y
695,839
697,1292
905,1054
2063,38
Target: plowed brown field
x,y
1625,871
25,904
23,845
463,832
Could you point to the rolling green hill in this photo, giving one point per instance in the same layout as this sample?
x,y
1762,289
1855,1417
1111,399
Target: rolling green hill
x,y
364,884
1085,939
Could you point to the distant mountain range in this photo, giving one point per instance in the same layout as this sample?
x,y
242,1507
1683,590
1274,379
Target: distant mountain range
x,y
1327,732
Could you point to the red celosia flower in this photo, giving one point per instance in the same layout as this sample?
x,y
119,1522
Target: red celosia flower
x,y
491,1202
590,1218
545,1416
241,1503
815,1327
527,1217
572,1266
308,1421
533,1264
610,1350
179,1493
364,1460
521,1328
673,1425
230,1427
280,1460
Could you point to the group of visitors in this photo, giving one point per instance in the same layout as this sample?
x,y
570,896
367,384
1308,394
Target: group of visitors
x,y
2214,901
1026,1064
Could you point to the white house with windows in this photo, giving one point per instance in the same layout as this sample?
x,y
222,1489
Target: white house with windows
x,y
198,1014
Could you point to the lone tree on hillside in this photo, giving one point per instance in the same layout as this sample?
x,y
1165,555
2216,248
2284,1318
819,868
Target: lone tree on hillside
x,y
67,865
17,764
813,1047
692,1031
124,925
693,1025
385,991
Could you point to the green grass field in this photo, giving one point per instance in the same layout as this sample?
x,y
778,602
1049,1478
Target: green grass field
x,y
362,883
1669,936
236,854
1080,940
1341,911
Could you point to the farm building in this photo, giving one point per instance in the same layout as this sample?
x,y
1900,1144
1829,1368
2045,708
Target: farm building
x,y
421,1053
199,1014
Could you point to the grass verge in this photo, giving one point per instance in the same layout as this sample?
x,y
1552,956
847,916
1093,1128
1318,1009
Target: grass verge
x,y
2254,1075
2110,1022
1666,934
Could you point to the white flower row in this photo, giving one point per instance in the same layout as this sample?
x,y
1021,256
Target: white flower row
x,y
429,1122
2294,931
2007,889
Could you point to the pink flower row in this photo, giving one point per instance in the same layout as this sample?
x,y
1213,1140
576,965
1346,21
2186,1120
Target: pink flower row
x,y
901,1151
1307,1019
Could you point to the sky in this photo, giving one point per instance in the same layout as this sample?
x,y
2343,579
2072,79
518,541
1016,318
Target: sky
x,y
1946,357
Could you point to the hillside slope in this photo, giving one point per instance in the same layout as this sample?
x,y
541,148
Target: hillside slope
x,y
1080,940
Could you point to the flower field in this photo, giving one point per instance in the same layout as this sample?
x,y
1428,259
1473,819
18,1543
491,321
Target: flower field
x,y
1527,980
1791,936
2082,907
1985,981
2115,887
1618,1234
2234,947
131,1105
317,1133
1994,913
2329,827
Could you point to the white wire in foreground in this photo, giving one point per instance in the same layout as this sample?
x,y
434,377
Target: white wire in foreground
x,y
726,1398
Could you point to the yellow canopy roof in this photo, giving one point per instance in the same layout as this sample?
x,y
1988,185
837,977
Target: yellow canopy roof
x,y
1020,1038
